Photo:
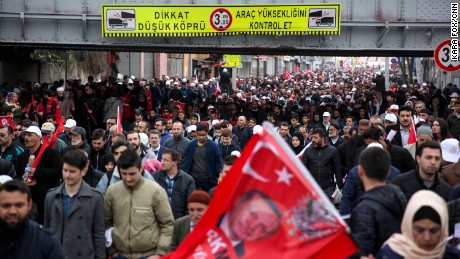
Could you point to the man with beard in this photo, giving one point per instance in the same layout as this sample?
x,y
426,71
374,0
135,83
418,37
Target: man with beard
x,y
425,174
143,151
323,162
402,129
21,237
78,140
65,101
178,142
46,175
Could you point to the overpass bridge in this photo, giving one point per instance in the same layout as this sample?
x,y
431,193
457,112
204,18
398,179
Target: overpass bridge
x,y
367,28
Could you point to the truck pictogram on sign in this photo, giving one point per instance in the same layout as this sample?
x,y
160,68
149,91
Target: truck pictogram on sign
x,y
322,18
121,20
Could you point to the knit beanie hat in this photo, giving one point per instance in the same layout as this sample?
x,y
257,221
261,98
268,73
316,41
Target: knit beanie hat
x,y
199,196
425,130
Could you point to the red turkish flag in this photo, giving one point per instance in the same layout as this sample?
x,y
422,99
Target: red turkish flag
x,y
119,118
268,206
6,120
412,134
149,101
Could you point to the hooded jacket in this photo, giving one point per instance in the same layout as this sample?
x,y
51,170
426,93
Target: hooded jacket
x,y
376,217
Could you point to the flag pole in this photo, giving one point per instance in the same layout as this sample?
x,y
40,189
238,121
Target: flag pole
x,y
270,130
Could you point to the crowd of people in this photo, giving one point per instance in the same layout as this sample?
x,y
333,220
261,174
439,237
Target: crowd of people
x,y
388,159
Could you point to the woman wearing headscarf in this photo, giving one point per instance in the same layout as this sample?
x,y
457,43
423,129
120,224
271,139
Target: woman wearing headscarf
x,y
297,142
424,230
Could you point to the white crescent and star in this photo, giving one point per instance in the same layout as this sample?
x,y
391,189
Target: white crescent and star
x,y
284,176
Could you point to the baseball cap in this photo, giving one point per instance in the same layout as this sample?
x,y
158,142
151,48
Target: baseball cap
x,y
326,114
70,123
394,107
413,97
34,129
450,150
425,130
375,145
60,89
78,131
453,95
191,128
48,127
210,107
391,117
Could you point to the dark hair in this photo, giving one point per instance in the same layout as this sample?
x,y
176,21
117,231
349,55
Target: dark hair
x,y
16,185
373,132
319,131
133,132
444,130
202,127
406,108
154,131
163,122
295,116
376,163
51,116
76,157
120,143
128,159
284,123
229,160
175,155
8,128
97,134
428,144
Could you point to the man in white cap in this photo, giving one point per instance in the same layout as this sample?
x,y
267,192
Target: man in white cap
x,y
48,132
326,120
46,175
390,119
69,125
451,156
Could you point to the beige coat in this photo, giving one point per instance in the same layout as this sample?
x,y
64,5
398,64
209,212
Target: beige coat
x,y
141,218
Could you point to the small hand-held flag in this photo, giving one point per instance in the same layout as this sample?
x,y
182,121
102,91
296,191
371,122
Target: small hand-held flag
x,y
268,206
412,134
119,118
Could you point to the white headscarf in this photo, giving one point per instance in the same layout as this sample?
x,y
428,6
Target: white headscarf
x,y
403,244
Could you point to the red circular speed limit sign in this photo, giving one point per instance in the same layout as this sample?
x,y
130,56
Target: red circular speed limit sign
x,y
442,57
221,19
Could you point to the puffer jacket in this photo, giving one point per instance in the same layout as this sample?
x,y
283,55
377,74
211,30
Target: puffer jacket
x,y
377,216
141,217
323,163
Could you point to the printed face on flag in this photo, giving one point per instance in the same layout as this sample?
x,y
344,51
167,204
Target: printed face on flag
x,y
268,206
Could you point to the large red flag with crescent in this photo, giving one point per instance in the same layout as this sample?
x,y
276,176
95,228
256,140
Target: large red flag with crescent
x,y
268,206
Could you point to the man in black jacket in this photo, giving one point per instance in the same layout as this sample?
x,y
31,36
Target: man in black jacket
x,y
323,162
379,211
425,175
48,172
177,184
21,237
